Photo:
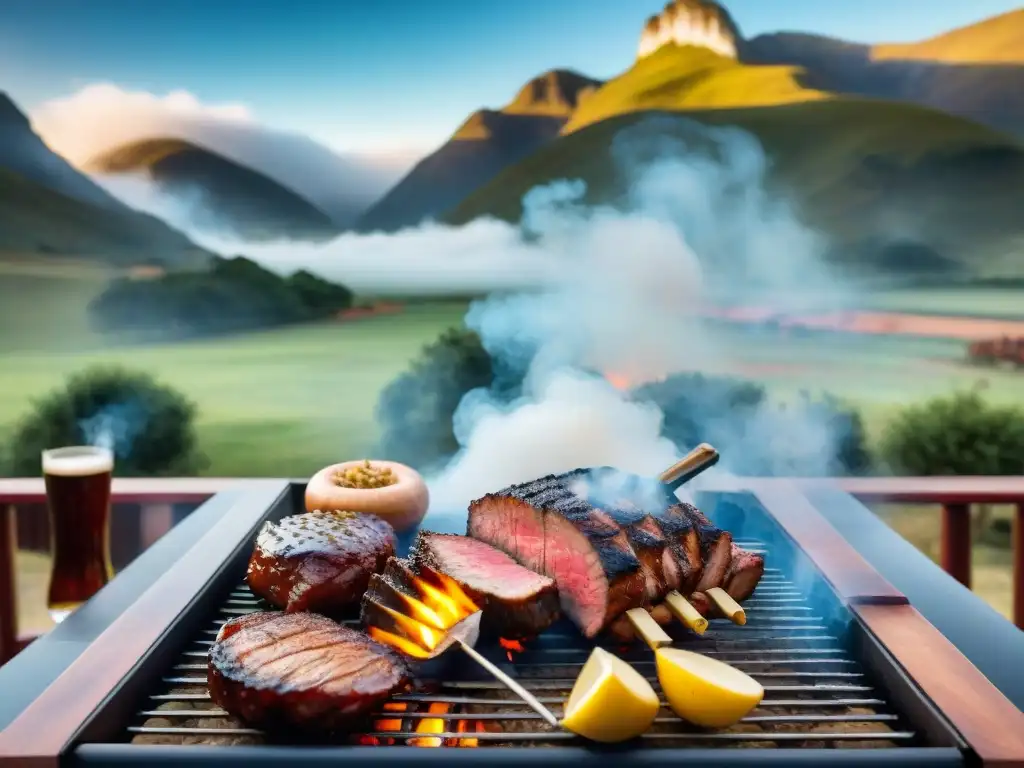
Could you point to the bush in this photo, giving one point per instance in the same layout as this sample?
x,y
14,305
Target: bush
x,y
149,426
236,294
415,410
962,434
812,437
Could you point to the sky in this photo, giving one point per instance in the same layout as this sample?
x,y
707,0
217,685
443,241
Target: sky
x,y
367,77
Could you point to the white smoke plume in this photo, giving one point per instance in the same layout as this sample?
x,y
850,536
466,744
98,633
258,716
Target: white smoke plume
x,y
102,116
603,290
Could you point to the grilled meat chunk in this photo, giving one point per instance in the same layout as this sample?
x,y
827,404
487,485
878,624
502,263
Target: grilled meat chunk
x,y
319,561
744,572
550,528
715,545
683,546
300,670
517,603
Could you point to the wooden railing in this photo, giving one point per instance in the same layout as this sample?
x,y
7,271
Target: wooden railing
x,y
153,498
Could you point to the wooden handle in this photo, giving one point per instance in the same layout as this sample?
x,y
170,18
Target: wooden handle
x,y
648,628
692,464
685,612
727,605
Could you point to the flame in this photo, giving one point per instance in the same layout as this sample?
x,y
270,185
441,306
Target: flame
x,y
438,609
431,725
511,647
463,727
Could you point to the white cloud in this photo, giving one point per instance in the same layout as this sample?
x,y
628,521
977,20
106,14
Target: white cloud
x,y
102,116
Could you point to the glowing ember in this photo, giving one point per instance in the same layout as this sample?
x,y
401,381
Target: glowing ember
x,y
437,609
431,725
511,647
464,727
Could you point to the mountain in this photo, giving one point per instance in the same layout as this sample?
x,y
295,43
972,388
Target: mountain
x,y
893,185
701,23
680,77
488,141
975,72
23,152
218,193
47,207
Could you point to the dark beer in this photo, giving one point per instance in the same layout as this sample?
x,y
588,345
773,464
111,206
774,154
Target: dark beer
x,y
78,494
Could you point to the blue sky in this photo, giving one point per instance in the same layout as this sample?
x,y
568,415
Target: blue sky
x,y
400,74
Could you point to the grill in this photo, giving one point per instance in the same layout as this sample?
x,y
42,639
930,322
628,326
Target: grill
x,y
837,685
815,693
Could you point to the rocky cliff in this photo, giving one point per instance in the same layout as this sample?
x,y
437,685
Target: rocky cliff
x,y
691,22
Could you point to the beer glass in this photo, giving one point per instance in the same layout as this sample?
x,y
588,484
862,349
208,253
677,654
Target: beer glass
x,y
78,495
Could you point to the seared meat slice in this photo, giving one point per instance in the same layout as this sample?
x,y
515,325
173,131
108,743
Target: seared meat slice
x,y
684,546
715,545
744,572
300,670
646,539
517,603
550,528
319,561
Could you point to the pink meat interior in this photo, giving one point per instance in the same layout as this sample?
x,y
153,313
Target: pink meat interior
x,y
549,544
487,569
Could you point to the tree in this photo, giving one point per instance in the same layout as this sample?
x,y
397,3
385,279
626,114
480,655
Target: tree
x,y
962,434
415,410
149,426
760,437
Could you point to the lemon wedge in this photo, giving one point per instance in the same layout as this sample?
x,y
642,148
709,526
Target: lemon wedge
x,y
706,691
610,700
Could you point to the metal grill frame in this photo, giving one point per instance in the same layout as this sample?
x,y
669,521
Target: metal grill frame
x,y
71,694
100,740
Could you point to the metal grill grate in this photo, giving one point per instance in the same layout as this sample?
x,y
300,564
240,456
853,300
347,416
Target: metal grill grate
x,y
816,695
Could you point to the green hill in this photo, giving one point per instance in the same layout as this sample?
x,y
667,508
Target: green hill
x,y
228,194
894,186
487,142
975,71
688,77
36,219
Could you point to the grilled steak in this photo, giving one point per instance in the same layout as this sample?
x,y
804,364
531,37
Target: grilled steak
x,y
715,545
744,572
319,561
516,602
684,547
550,528
300,670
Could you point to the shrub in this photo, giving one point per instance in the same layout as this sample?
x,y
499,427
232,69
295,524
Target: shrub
x,y
811,437
415,410
149,426
236,294
962,434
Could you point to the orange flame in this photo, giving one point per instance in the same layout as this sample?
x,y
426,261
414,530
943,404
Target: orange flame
x,y
437,609
431,725
511,647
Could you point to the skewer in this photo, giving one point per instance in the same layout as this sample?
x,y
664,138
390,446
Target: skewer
x,y
724,602
685,612
648,628
692,464
511,684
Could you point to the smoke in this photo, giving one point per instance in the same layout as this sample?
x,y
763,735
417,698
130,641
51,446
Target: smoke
x,y
115,427
102,116
611,290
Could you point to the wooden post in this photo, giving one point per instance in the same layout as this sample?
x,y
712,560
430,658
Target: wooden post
x,y
8,586
1018,566
956,542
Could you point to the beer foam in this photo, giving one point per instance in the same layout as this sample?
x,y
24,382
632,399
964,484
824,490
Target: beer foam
x,y
77,462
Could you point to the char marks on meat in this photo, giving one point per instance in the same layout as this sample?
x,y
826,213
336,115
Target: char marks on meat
x,y
744,572
551,529
300,670
319,561
517,603
715,545
608,556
